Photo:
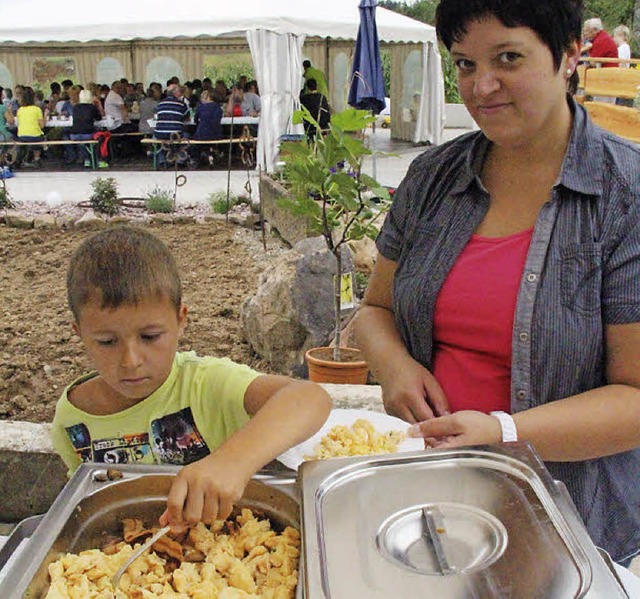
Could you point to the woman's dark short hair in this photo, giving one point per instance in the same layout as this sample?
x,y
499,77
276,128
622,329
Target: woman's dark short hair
x,y
558,23
122,265
28,97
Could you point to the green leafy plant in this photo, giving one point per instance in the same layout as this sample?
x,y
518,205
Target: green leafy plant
x,y
159,200
451,93
219,204
361,280
328,187
104,198
6,203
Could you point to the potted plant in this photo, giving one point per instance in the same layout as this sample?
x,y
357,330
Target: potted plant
x,y
327,185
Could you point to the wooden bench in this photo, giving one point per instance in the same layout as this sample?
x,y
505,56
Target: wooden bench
x,y
158,143
612,82
89,144
621,120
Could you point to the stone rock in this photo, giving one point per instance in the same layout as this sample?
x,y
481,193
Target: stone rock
x,y
208,218
44,221
292,309
89,220
18,221
355,397
245,219
184,220
162,219
364,254
64,222
120,219
291,228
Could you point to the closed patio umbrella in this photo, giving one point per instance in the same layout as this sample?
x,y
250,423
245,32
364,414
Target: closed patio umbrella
x,y
367,80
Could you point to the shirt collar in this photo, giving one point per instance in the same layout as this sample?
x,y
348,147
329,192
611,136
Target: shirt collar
x,y
584,150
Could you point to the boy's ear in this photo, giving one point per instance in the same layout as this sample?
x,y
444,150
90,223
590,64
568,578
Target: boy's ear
x,y
76,328
182,318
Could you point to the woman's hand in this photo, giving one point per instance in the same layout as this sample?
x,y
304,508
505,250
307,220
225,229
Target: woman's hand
x,y
204,491
411,392
457,430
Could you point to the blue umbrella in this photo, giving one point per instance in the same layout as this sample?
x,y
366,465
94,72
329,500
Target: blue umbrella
x,y
367,81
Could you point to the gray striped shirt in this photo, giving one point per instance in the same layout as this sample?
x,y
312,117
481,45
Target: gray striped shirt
x,y
582,272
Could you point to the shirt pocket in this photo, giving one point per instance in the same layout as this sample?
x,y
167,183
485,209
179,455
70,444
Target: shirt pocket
x,y
581,277
415,254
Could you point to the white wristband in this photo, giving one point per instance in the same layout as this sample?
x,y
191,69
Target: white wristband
x,y
508,426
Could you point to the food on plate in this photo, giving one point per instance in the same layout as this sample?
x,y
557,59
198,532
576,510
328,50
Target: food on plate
x,y
359,439
241,558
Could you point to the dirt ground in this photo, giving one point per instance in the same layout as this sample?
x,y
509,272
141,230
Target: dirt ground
x,y
40,355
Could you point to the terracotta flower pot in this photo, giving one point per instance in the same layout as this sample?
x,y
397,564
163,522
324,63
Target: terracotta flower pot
x,y
352,370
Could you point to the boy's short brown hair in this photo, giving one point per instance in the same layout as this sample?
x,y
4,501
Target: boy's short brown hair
x,y
122,265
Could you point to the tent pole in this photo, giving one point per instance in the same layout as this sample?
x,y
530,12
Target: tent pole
x,y
373,151
229,167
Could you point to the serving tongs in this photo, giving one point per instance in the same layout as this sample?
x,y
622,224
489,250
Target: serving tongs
x,y
136,554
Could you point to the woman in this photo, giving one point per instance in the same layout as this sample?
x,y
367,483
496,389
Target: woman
x,y
234,103
148,109
508,272
621,35
6,118
85,114
208,118
30,123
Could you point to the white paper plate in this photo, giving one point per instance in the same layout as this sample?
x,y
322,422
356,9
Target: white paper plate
x,y
382,422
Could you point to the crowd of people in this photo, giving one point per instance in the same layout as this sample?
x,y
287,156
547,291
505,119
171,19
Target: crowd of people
x,y
127,109
597,43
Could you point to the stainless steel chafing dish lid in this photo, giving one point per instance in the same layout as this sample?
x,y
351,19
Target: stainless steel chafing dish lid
x,y
90,510
483,522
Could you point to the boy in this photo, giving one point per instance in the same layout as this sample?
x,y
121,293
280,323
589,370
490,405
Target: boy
x,y
148,403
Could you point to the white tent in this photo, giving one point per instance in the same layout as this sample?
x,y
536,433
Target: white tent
x,y
275,30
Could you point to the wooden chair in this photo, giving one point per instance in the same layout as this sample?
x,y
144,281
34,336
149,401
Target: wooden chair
x,y
612,82
620,120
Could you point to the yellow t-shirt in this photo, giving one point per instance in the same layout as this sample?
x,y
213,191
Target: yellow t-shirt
x,y
28,121
198,407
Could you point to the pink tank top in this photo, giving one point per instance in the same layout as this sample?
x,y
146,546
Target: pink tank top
x,y
473,322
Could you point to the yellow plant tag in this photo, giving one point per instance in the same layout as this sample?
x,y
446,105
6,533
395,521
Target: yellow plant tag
x,y
346,291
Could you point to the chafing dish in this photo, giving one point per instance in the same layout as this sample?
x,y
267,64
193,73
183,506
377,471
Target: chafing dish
x,y
482,522
89,511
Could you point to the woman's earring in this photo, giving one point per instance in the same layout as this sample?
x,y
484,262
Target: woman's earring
x,y
569,72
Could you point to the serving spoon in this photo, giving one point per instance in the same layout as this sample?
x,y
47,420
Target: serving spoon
x,y
136,554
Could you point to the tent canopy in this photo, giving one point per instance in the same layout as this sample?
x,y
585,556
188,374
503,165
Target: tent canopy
x,y
79,21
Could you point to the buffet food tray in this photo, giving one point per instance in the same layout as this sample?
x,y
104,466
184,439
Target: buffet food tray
x,y
479,522
89,510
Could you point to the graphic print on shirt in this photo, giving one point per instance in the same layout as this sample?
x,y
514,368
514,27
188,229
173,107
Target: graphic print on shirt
x,y
117,450
177,440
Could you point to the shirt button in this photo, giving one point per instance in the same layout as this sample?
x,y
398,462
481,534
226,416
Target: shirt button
x,y
532,277
523,336
521,394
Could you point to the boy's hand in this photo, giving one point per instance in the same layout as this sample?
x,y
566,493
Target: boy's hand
x,y
204,491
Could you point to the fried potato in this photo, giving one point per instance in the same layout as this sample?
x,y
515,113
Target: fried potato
x,y
359,439
242,558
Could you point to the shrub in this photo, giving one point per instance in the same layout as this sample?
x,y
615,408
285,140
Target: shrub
x,y
159,200
104,198
451,93
218,202
361,280
6,202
